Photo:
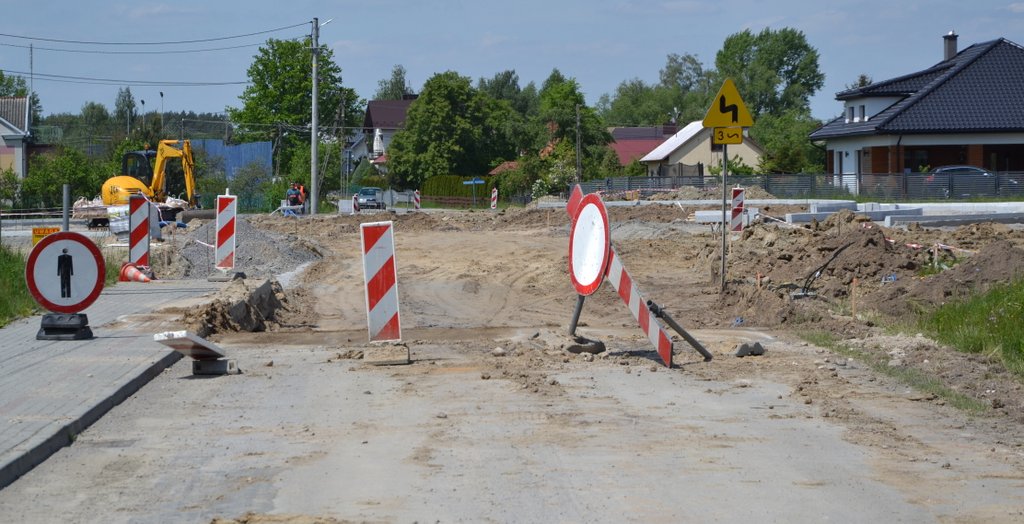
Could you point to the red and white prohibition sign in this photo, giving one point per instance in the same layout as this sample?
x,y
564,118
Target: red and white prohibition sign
x,y
381,279
65,272
224,254
592,259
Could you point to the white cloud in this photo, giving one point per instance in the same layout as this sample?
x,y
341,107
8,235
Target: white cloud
x,y
1016,7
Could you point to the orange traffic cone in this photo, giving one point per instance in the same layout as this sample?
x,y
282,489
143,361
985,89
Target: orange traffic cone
x,y
130,273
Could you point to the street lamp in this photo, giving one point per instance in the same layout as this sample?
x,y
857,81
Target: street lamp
x,y
161,113
143,115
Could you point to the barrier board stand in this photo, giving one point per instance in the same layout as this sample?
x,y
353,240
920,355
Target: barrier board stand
x,y
592,259
78,265
207,357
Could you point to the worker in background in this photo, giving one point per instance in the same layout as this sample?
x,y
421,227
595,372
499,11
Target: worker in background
x,y
302,197
293,195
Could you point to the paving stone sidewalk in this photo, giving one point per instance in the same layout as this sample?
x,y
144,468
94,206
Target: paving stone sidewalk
x,y
50,391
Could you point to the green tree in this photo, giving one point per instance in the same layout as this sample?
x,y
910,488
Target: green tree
x,y
277,105
636,103
124,107
394,88
443,135
784,138
559,100
43,187
9,185
863,80
14,85
774,71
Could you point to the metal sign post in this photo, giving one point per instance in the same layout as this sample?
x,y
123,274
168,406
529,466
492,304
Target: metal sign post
x,y
727,116
725,204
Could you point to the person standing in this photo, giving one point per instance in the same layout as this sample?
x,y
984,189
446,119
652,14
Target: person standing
x,y
293,194
65,268
302,197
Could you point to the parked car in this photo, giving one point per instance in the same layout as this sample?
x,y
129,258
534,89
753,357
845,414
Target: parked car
x,y
371,198
963,182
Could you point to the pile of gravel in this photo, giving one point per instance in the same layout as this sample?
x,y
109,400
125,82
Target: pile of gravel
x,y
258,253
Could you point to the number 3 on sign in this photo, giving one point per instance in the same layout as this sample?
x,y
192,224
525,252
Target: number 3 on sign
x,y
727,135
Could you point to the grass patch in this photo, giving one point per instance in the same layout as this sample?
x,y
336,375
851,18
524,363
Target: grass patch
x,y
988,324
914,378
17,302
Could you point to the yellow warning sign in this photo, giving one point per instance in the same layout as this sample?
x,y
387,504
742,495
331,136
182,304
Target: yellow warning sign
x,y
39,232
727,135
727,109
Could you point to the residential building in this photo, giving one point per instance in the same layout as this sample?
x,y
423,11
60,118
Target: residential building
x,y
14,134
383,119
967,109
690,152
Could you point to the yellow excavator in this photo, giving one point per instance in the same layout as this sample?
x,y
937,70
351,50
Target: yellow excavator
x,y
140,174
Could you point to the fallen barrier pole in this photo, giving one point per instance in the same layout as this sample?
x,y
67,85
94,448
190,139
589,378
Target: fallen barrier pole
x,y
659,312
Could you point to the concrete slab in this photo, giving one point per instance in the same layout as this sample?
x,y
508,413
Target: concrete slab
x,y
190,345
955,220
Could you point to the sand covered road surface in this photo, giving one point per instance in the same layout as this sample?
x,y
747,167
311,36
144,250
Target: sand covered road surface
x,y
494,421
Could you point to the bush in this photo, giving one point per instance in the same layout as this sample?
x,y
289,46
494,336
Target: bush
x,y
17,302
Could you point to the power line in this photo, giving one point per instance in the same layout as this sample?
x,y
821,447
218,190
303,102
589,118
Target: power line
x,y
103,52
112,81
174,42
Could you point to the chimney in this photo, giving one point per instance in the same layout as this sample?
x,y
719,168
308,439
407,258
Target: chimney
x,y
949,46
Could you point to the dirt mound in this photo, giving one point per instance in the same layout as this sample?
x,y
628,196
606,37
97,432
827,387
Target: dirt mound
x,y
998,262
244,305
189,253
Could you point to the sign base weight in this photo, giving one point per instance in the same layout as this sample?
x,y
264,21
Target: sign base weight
x,y
64,326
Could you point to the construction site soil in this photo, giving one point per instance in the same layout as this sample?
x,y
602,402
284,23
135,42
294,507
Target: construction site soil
x,y
471,277
477,427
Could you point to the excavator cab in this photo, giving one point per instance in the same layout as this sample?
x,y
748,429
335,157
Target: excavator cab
x,y
139,165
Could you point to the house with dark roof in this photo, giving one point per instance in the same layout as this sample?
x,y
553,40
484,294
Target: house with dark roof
x,y
383,119
967,109
14,134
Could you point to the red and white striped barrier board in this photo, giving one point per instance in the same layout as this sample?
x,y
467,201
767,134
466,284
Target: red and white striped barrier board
x,y
381,280
138,230
494,198
623,284
736,224
224,254
416,200
355,204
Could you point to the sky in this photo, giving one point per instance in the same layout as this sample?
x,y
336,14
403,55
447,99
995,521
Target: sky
x,y
600,43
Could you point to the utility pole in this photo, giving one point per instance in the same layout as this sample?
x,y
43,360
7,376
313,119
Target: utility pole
x,y
313,139
579,161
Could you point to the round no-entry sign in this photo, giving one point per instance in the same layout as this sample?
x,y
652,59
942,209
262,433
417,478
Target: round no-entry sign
x,y
589,243
65,272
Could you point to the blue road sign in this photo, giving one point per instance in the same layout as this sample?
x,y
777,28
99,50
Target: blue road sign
x,y
475,181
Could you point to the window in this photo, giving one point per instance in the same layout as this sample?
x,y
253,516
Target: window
x,y
849,114
863,117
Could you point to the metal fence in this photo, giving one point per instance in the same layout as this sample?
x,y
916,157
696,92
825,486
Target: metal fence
x,y
883,187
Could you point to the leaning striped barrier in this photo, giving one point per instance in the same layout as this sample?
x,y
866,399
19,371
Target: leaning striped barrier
x,y
628,292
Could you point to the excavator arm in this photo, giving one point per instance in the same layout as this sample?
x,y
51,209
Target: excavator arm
x,y
167,149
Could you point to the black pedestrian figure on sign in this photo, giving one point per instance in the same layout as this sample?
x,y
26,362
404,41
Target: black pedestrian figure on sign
x,y
65,269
